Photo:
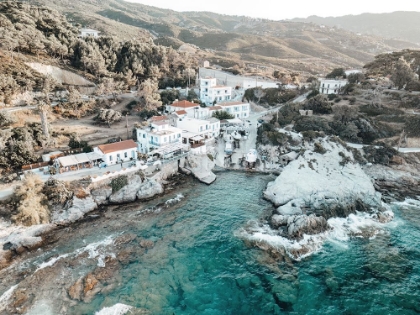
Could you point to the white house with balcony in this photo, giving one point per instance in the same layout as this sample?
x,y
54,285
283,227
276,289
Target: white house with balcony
x,y
238,109
158,135
117,152
210,91
85,32
331,86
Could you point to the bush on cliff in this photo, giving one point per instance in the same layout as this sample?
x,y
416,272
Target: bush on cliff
x,y
118,183
30,202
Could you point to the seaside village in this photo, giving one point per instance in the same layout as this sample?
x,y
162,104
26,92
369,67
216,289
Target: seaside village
x,y
184,129
186,135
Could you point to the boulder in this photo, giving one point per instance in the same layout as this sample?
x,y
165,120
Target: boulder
x,y
128,193
79,208
278,220
302,224
76,290
101,195
149,189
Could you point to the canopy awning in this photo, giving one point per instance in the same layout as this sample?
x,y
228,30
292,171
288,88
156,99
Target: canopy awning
x,y
69,160
93,156
82,158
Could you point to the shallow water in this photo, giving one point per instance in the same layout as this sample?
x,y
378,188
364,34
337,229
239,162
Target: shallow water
x,y
199,265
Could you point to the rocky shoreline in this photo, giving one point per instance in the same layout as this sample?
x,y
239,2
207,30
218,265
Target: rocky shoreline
x,y
17,240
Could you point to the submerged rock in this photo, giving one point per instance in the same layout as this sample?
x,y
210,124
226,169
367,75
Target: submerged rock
x,y
302,224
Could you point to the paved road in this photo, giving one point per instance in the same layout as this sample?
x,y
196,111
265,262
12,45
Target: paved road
x,y
402,150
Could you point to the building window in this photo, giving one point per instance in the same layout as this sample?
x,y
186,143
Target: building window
x,y
125,155
179,135
110,158
164,139
144,135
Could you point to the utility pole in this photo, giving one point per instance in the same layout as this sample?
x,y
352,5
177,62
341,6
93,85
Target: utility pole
x,y
126,124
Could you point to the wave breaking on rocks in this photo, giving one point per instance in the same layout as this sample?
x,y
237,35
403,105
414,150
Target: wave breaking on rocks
x,y
323,193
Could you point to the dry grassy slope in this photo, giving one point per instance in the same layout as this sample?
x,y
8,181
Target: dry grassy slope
x,y
254,40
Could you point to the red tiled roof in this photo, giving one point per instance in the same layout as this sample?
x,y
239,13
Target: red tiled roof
x,y
117,146
181,112
159,118
184,104
214,108
231,103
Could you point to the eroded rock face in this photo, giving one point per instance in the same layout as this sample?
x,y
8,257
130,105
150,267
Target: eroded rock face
x,y
149,189
394,183
79,208
101,195
136,189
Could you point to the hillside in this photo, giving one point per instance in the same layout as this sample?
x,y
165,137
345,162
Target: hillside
x,y
401,26
234,40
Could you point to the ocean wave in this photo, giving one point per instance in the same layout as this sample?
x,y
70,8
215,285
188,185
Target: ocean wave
x,y
174,200
117,309
93,250
341,230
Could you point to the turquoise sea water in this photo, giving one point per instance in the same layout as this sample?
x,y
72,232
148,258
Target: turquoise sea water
x,y
199,265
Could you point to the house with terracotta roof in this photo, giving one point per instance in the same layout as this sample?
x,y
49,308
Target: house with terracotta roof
x,y
238,109
211,92
192,110
117,152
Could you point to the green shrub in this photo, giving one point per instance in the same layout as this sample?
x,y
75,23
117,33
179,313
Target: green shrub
x,y
118,183
319,148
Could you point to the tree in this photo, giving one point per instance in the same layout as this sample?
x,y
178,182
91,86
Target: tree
x,y
337,72
319,104
31,202
259,93
43,110
6,119
109,116
355,77
149,95
222,114
344,113
402,74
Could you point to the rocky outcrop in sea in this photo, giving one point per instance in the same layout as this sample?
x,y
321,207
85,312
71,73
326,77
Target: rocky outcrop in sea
x,y
324,182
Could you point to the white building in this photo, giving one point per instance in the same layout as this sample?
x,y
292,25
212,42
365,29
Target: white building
x,y
85,32
117,152
207,128
237,109
352,71
210,91
331,86
159,134
191,110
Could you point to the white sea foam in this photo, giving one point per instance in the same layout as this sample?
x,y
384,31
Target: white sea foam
x,y
342,229
4,298
42,307
51,262
172,201
94,250
117,309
